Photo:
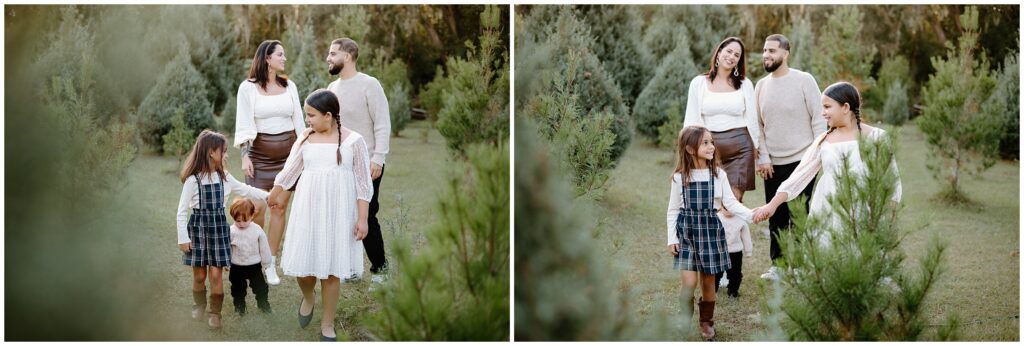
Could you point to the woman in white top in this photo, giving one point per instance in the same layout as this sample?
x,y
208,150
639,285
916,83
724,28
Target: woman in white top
x,y
268,121
841,109
722,100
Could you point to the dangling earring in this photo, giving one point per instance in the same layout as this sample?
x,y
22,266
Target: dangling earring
x,y
736,72
716,64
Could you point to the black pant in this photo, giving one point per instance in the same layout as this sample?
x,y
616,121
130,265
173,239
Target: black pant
x,y
781,219
374,242
254,275
735,273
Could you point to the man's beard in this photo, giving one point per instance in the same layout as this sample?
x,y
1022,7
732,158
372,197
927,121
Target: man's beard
x,y
335,69
771,68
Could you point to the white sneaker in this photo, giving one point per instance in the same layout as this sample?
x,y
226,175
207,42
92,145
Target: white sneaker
x,y
772,274
724,282
377,278
272,276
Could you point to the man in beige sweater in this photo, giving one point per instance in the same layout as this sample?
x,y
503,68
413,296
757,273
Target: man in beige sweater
x,y
364,109
790,112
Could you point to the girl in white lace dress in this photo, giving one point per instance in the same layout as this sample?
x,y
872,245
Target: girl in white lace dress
x,y
329,209
841,102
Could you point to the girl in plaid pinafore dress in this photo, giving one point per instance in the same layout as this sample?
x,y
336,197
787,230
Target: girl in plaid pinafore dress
x,y
204,235
696,238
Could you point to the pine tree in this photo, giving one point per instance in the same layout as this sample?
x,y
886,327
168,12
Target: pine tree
x,y
393,76
841,54
350,21
847,279
581,143
96,153
565,289
962,134
476,107
1005,95
596,88
179,88
801,41
306,68
616,30
457,286
180,139
670,85
897,107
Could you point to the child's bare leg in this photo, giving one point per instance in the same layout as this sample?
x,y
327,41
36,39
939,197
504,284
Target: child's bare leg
x,y
260,217
198,278
277,222
216,284
306,285
330,292
689,281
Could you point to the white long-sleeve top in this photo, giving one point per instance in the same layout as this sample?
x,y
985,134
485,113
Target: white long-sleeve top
x,y
695,106
190,198
737,234
723,195
246,120
811,163
294,166
249,245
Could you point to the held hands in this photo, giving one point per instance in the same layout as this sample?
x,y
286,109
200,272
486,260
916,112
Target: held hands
x,y
186,247
360,230
277,198
763,213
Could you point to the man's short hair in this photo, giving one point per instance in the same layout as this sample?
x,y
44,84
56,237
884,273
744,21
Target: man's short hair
x,y
783,41
348,45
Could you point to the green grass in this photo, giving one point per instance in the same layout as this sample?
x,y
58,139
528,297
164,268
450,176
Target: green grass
x,y
981,282
411,182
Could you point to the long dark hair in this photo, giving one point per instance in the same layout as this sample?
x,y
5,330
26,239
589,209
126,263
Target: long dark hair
x,y
689,138
735,81
844,92
198,161
325,101
258,69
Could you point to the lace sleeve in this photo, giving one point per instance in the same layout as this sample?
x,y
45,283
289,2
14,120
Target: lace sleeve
x,y
289,175
804,172
361,170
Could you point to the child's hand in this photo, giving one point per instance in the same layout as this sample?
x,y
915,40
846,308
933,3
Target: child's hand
x,y
674,249
361,229
186,247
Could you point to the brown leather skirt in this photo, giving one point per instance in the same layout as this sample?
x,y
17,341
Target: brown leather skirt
x,y
736,153
268,155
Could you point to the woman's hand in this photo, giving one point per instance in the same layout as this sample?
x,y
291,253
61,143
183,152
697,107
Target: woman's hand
x,y
247,167
764,212
674,249
361,229
277,198
186,247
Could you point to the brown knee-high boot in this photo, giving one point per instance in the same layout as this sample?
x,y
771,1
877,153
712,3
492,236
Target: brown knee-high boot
x,y
707,319
199,297
216,302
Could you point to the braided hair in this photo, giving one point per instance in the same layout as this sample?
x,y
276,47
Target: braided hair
x,y
325,101
844,92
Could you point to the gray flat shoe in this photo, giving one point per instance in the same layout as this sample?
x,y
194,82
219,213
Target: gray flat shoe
x,y
304,320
